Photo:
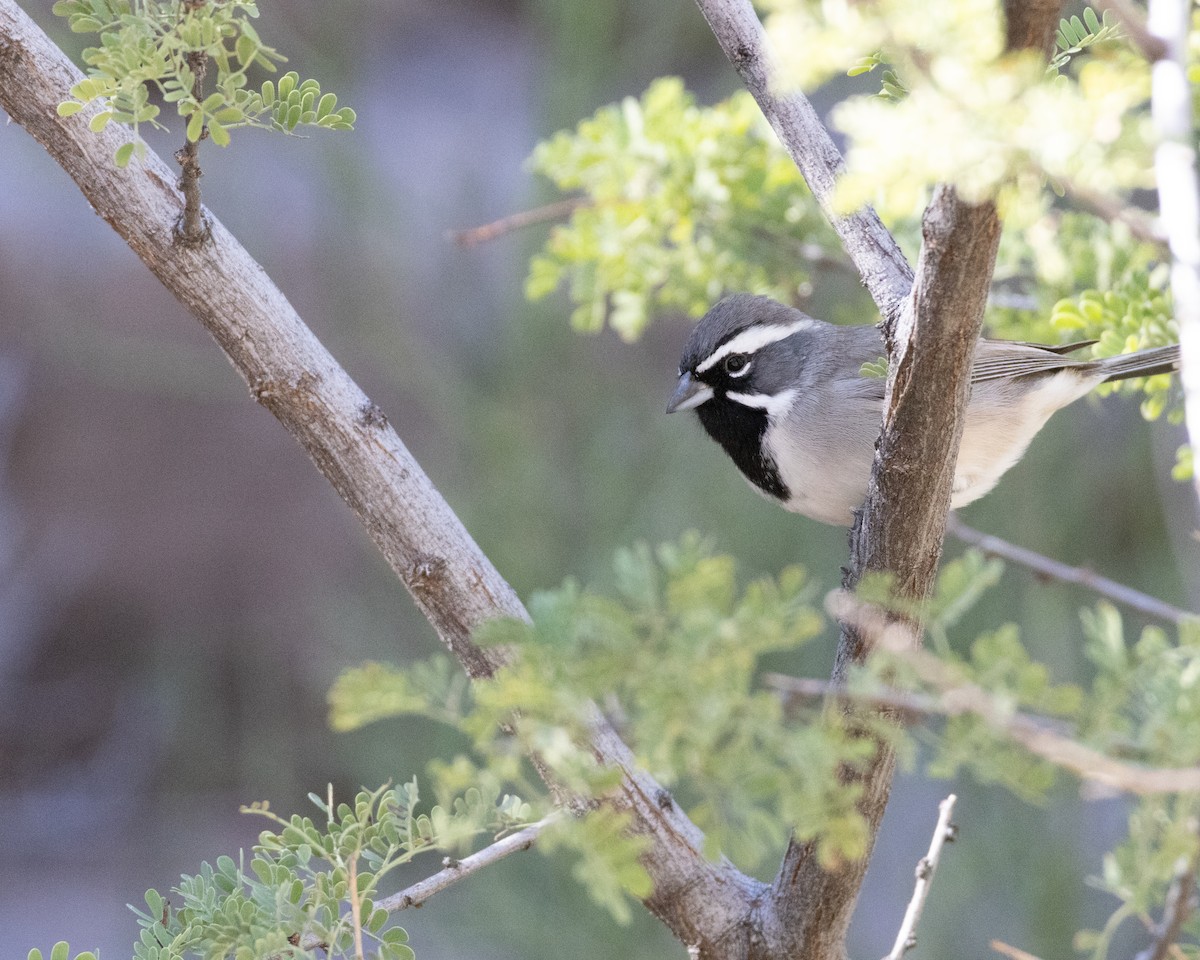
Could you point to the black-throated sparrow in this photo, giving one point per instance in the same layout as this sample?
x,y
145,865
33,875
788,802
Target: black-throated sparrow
x,y
784,395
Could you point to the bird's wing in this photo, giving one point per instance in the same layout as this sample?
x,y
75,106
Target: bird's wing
x,y
1005,360
1059,348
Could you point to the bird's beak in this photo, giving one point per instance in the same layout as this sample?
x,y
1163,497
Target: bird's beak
x,y
688,393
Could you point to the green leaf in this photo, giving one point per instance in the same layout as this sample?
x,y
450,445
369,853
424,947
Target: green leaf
x,y
60,951
220,136
68,108
195,127
100,121
122,155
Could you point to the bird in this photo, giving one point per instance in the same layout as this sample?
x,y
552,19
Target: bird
x,y
785,396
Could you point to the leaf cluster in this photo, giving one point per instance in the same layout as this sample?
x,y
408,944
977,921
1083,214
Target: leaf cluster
x,y
163,47
1073,36
671,655
311,888
1134,314
1140,707
683,203
61,951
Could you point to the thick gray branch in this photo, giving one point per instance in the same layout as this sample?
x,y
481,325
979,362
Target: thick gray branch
x,y
884,270
349,439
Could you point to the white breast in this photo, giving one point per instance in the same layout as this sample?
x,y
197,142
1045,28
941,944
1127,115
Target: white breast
x,y
1002,418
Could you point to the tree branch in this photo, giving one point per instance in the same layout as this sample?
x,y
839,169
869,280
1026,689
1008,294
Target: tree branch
x,y
558,210
1046,567
957,697
422,890
943,833
884,270
1179,191
349,439
1180,901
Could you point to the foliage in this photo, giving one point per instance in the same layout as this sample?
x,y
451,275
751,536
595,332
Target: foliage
x,y
684,202
61,951
1074,35
966,111
162,46
1134,314
672,658
311,888
1141,707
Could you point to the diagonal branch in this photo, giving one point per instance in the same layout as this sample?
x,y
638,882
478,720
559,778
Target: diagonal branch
x,y
884,270
1044,566
422,890
1180,903
349,439
957,697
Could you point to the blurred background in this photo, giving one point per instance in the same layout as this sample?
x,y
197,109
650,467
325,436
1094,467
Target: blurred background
x,y
179,587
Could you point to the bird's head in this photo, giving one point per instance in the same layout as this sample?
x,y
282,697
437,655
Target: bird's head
x,y
744,351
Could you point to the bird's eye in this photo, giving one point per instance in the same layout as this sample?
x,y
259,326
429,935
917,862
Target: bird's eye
x,y
737,363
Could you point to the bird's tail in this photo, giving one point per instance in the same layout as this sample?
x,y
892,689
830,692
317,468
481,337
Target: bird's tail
x,y
1144,363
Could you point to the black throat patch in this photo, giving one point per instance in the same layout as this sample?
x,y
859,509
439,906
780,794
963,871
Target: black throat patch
x,y
740,430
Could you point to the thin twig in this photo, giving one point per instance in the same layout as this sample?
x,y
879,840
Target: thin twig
x,y
456,870
192,230
944,832
958,697
906,707
1141,224
1179,903
356,905
526,218
1046,567
1015,953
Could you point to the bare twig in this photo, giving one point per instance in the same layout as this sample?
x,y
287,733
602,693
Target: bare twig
x,y
192,228
944,832
1141,224
422,890
559,210
961,697
1046,567
1179,905
1179,191
906,707
1015,953
355,905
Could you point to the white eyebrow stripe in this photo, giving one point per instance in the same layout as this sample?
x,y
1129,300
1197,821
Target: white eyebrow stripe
x,y
775,405
749,341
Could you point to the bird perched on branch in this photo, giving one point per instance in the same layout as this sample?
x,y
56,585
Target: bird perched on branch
x,y
786,397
